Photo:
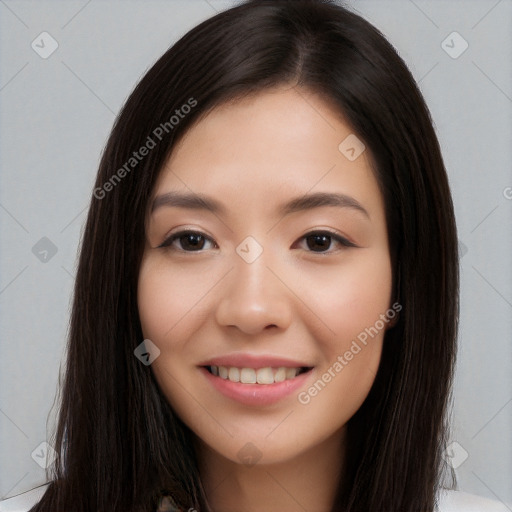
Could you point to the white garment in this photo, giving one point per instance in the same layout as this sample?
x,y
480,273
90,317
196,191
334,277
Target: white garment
x,y
449,501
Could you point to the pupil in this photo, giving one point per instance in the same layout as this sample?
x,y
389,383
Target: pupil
x,y
322,240
194,239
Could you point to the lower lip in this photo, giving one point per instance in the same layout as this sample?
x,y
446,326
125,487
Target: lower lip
x,y
256,394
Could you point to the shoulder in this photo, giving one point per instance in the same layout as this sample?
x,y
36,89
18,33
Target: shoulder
x,y
458,501
23,502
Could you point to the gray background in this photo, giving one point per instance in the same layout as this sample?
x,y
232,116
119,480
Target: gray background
x,y
57,112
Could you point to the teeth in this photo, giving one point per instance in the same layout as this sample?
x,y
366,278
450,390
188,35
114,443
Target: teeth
x,y
280,375
265,376
248,376
291,372
252,376
234,375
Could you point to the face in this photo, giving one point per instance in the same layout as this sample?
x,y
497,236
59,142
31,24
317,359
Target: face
x,y
261,283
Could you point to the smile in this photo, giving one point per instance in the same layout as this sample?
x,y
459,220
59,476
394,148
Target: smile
x,y
265,375
257,387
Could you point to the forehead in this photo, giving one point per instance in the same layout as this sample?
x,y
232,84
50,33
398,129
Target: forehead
x,y
267,147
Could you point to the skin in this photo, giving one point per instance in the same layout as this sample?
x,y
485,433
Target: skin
x,y
292,302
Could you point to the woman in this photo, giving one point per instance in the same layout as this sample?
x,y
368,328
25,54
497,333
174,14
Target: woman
x,y
302,358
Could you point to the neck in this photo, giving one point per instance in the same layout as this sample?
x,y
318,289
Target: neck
x,y
309,481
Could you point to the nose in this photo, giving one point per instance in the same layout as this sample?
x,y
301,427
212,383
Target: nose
x,y
255,297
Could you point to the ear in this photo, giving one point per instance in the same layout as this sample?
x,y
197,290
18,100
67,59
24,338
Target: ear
x,y
396,300
393,321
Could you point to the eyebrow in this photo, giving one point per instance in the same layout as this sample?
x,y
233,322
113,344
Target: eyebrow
x,y
196,201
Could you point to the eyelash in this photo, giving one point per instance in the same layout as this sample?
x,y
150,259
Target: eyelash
x,y
168,241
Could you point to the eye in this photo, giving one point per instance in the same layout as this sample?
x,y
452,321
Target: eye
x,y
319,241
194,241
190,241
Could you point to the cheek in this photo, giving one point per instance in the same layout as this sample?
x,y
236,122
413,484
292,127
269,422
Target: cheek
x,y
353,306
159,306
169,303
339,389
348,300
169,296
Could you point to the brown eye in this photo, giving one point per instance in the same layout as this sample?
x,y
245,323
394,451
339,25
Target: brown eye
x,y
189,241
318,242
321,241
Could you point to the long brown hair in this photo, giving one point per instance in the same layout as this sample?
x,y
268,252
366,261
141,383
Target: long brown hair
x,y
119,443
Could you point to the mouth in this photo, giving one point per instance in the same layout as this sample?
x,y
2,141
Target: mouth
x,y
264,376
258,386
256,379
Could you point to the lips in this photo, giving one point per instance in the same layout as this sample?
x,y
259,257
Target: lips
x,y
255,380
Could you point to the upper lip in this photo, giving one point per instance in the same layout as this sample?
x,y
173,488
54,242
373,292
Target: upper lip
x,y
254,361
